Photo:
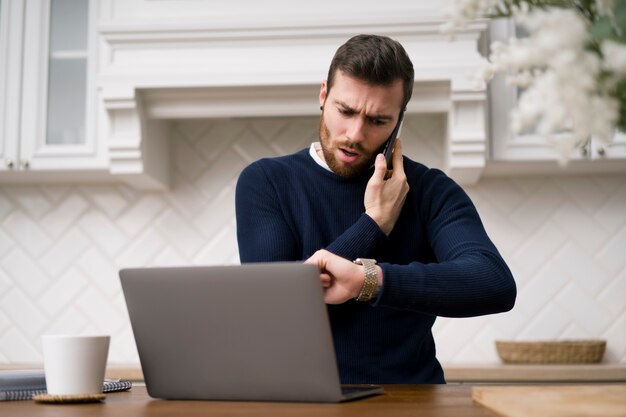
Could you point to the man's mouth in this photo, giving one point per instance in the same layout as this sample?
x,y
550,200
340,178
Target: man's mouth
x,y
349,155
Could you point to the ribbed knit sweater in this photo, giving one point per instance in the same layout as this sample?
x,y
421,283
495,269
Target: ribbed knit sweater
x,y
437,261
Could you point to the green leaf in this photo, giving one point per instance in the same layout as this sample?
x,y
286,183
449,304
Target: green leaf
x,y
619,11
601,29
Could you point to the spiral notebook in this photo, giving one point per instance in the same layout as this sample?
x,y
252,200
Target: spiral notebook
x,y
25,384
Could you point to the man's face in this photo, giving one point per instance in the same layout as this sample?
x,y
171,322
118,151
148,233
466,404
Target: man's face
x,y
356,121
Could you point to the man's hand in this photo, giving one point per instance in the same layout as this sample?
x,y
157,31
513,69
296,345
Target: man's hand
x,y
342,279
384,198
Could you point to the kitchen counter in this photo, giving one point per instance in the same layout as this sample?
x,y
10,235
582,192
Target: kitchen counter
x,y
536,373
457,374
490,373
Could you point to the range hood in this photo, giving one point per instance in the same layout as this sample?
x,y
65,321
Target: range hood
x,y
151,73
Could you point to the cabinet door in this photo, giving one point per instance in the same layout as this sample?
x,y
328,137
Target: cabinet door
x,y
58,118
11,32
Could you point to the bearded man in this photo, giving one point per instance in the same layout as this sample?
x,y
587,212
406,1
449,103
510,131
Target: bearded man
x,y
395,248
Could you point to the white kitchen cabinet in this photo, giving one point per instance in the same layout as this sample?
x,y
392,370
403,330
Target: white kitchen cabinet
x,y
10,80
507,146
48,119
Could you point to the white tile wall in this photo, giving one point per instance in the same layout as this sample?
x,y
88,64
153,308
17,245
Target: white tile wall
x,y
61,245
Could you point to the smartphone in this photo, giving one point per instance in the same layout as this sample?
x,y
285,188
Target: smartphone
x,y
392,141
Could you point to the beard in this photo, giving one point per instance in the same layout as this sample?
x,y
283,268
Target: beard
x,y
329,148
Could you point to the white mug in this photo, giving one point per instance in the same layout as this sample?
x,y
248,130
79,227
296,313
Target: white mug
x,y
75,365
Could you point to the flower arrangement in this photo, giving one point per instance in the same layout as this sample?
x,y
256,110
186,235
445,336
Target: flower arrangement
x,y
571,67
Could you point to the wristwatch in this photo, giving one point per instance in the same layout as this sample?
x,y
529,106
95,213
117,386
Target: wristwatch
x,y
370,285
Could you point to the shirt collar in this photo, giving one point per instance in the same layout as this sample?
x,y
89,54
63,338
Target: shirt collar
x,y
315,146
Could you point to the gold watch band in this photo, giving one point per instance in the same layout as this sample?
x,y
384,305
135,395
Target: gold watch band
x,y
370,284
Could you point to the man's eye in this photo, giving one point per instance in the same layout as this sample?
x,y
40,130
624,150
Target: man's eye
x,y
378,122
346,112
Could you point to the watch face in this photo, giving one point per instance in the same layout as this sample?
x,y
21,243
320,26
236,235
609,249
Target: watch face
x,y
363,261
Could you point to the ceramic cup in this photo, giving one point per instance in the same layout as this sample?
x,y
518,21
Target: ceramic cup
x,y
75,365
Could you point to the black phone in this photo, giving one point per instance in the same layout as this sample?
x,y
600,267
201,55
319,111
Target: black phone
x,y
391,142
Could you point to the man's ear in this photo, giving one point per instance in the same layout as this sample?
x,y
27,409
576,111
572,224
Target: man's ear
x,y
323,93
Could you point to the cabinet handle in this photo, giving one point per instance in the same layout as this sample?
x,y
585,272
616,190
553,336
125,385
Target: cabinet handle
x,y
24,164
601,151
9,163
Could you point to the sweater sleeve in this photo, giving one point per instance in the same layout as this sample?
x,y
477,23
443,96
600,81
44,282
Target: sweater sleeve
x,y
361,239
469,277
263,235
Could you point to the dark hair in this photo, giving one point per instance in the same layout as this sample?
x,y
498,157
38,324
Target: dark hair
x,y
377,60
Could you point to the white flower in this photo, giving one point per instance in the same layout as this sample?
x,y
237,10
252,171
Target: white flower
x,y
605,7
559,76
562,98
547,30
614,56
564,145
524,79
460,13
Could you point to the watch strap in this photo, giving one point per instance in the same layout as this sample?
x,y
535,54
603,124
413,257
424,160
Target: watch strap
x,y
370,284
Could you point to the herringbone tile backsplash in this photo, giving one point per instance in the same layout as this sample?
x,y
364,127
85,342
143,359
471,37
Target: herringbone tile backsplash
x,y
62,245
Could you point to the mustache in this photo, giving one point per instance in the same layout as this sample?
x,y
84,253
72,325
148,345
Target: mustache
x,y
352,146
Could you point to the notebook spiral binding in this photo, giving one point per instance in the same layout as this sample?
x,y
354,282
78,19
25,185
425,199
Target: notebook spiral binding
x,y
28,394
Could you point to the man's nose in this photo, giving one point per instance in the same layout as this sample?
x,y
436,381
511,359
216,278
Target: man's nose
x,y
356,130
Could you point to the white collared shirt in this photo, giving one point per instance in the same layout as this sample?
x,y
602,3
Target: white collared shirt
x,y
316,146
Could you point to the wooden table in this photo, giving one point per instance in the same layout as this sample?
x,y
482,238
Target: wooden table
x,y
397,401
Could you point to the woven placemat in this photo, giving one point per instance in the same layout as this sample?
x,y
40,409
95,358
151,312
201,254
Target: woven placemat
x,y
68,399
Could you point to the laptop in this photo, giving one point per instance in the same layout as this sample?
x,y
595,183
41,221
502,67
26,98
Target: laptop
x,y
252,332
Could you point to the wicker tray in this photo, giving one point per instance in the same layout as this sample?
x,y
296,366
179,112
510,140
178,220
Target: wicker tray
x,y
565,351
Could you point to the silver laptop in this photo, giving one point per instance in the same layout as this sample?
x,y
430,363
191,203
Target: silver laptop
x,y
254,332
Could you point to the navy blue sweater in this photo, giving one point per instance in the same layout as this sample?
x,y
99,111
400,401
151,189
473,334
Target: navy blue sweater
x,y
437,261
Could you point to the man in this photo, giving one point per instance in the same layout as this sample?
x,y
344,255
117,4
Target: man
x,y
329,206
